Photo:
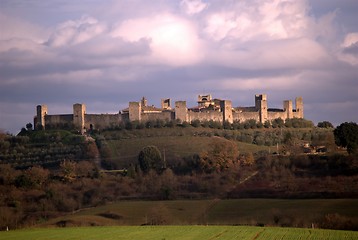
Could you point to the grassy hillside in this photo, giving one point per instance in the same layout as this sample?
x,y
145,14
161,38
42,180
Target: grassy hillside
x,y
124,145
126,151
178,232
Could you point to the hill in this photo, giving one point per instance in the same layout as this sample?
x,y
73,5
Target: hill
x,y
122,146
42,182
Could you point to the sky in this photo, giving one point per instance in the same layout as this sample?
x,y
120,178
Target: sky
x,y
106,53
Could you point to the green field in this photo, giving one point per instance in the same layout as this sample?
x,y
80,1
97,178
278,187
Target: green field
x,y
280,212
176,232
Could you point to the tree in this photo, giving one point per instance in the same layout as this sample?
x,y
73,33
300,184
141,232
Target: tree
x,y
325,124
150,158
278,122
68,169
267,124
221,155
248,159
29,126
346,135
7,174
37,175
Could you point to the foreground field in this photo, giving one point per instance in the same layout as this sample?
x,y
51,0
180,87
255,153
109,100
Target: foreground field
x,y
176,232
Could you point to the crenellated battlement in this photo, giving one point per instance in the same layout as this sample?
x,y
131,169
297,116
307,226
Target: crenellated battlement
x,y
206,110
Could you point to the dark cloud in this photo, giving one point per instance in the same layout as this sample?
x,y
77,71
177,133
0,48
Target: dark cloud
x,y
352,49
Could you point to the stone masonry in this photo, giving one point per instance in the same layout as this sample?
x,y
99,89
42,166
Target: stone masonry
x,y
207,109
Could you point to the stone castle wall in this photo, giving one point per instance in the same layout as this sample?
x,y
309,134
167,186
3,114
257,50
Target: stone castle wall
x,y
243,116
214,109
100,121
58,120
164,116
275,115
205,116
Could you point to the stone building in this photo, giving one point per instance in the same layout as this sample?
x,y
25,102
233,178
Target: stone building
x,y
206,110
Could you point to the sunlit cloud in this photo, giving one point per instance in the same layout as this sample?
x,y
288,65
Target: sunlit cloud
x,y
193,6
173,40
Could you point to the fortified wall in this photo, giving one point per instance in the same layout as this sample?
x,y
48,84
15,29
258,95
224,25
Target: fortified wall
x,y
206,110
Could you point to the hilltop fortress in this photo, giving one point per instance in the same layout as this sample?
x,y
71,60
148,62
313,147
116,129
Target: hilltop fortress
x,y
206,110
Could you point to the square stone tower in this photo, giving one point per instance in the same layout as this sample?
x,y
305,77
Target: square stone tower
x,y
166,103
79,111
299,107
181,111
226,108
41,112
261,106
135,111
288,108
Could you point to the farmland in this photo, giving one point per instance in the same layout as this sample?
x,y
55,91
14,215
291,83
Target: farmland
x,y
271,212
177,232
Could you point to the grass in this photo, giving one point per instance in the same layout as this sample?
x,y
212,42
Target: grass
x,y
176,232
297,211
137,213
180,142
300,213
173,142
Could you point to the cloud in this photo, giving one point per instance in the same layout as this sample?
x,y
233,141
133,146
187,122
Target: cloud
x,y
16,28
75,32
350,39
349,49
281,83
193,6
259,20
173,40
277,54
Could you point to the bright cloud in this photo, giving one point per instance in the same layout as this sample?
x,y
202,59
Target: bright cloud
x,y
74,32
349,52
259,20
350,40
193,6
173,40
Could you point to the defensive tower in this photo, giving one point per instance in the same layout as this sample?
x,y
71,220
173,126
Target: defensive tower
x,y
261,106
135,111
181,111
288,108
41,111
79,111
166,104
226,108
299,107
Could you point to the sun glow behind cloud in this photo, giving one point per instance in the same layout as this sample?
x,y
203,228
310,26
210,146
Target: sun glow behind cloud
x,y
173,40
